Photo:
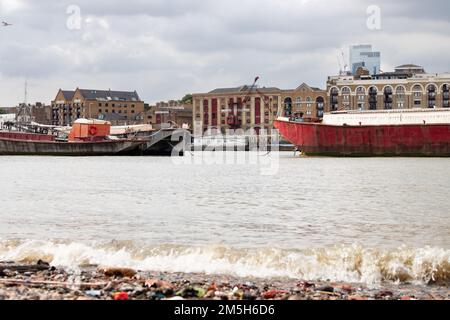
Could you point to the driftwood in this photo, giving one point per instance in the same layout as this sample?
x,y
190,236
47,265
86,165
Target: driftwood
x,y
52,283
21,268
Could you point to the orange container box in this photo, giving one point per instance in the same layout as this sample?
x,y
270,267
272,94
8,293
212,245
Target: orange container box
x,y
88,130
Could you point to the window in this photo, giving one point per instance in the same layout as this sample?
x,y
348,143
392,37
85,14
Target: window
x,y
308,106
361,97
298,103
334,99
288,107
388,97
373,100
432,92
400,94
417,95
446,96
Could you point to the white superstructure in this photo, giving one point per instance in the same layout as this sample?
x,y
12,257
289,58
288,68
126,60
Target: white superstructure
x,y
388,117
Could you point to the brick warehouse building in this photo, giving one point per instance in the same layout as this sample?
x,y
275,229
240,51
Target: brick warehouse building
x,y
409,86
216,108
173,112
125,107
305,100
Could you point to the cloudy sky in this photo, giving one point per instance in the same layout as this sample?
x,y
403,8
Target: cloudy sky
x,y
166,48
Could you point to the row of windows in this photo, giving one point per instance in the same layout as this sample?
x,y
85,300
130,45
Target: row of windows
x,y
431,88
114,105
59,105
399,104
400,96
114,111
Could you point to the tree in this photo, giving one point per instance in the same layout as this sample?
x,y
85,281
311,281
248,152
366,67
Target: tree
x,y
3,111
187,99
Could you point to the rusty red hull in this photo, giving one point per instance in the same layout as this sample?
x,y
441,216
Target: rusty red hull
x,y
15,143
366,141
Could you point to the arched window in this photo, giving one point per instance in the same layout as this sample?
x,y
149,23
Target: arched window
x,y
446,96
334,99
400,92
388,97
346,92
320,106
373,92
417,96
361,97
431,96
288,107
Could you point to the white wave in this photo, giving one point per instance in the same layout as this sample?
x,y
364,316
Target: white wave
x,y
354,264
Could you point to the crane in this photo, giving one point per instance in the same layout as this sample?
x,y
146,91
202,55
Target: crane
x,y
234,107
343,63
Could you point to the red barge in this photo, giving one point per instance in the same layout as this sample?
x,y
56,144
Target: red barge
x,y
413,132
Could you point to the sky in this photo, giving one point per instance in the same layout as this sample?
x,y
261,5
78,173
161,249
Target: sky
x,y
164,49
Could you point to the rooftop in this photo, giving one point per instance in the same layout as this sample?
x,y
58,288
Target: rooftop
x,y
242,89
409,66
106,95
68,95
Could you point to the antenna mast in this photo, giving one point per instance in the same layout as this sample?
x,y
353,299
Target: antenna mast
x,y
25,100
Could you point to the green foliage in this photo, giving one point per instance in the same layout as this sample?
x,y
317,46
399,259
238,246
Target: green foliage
x,y
187,99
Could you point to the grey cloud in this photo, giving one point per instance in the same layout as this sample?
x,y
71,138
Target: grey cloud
x,y
165,48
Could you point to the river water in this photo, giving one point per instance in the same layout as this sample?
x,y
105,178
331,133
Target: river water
x,y
361,220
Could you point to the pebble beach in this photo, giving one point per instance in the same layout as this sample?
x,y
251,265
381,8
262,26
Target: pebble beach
x,y
42,281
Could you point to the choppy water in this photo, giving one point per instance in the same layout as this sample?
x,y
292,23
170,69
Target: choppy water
x,y
358,220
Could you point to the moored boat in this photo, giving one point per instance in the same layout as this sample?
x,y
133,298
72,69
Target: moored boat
x,y
412,132
86,138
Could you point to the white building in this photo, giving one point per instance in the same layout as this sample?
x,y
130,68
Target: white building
x,y
7,117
